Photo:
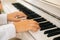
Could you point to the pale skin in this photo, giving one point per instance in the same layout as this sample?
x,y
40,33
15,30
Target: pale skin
x,y
20,24
27,25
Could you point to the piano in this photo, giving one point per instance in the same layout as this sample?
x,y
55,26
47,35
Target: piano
x,y
45,13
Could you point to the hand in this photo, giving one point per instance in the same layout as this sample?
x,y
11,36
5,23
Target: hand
x,y
26,25
16,16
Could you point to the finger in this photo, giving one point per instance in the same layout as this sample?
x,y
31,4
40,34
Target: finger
x,y
32,19
34,22
34,29
21,14
34,25
21,18
15,19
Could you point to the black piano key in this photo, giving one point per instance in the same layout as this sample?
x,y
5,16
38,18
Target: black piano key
x,y
22,8
33,16
29,17
57,38
46,25
50,31
27,11
40,19
53,33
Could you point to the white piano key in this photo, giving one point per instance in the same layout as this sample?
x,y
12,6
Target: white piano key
x,y
46,6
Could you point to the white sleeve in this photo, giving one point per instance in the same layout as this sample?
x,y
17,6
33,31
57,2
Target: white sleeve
x,y
3,19
7,31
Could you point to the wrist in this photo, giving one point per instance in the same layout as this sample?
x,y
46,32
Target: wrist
x,y
8,17
16,26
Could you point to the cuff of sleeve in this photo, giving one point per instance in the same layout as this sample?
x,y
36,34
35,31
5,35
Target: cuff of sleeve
x,y
12,31
3,19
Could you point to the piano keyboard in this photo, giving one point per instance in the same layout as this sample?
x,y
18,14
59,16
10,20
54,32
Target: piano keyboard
x,y
44,23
